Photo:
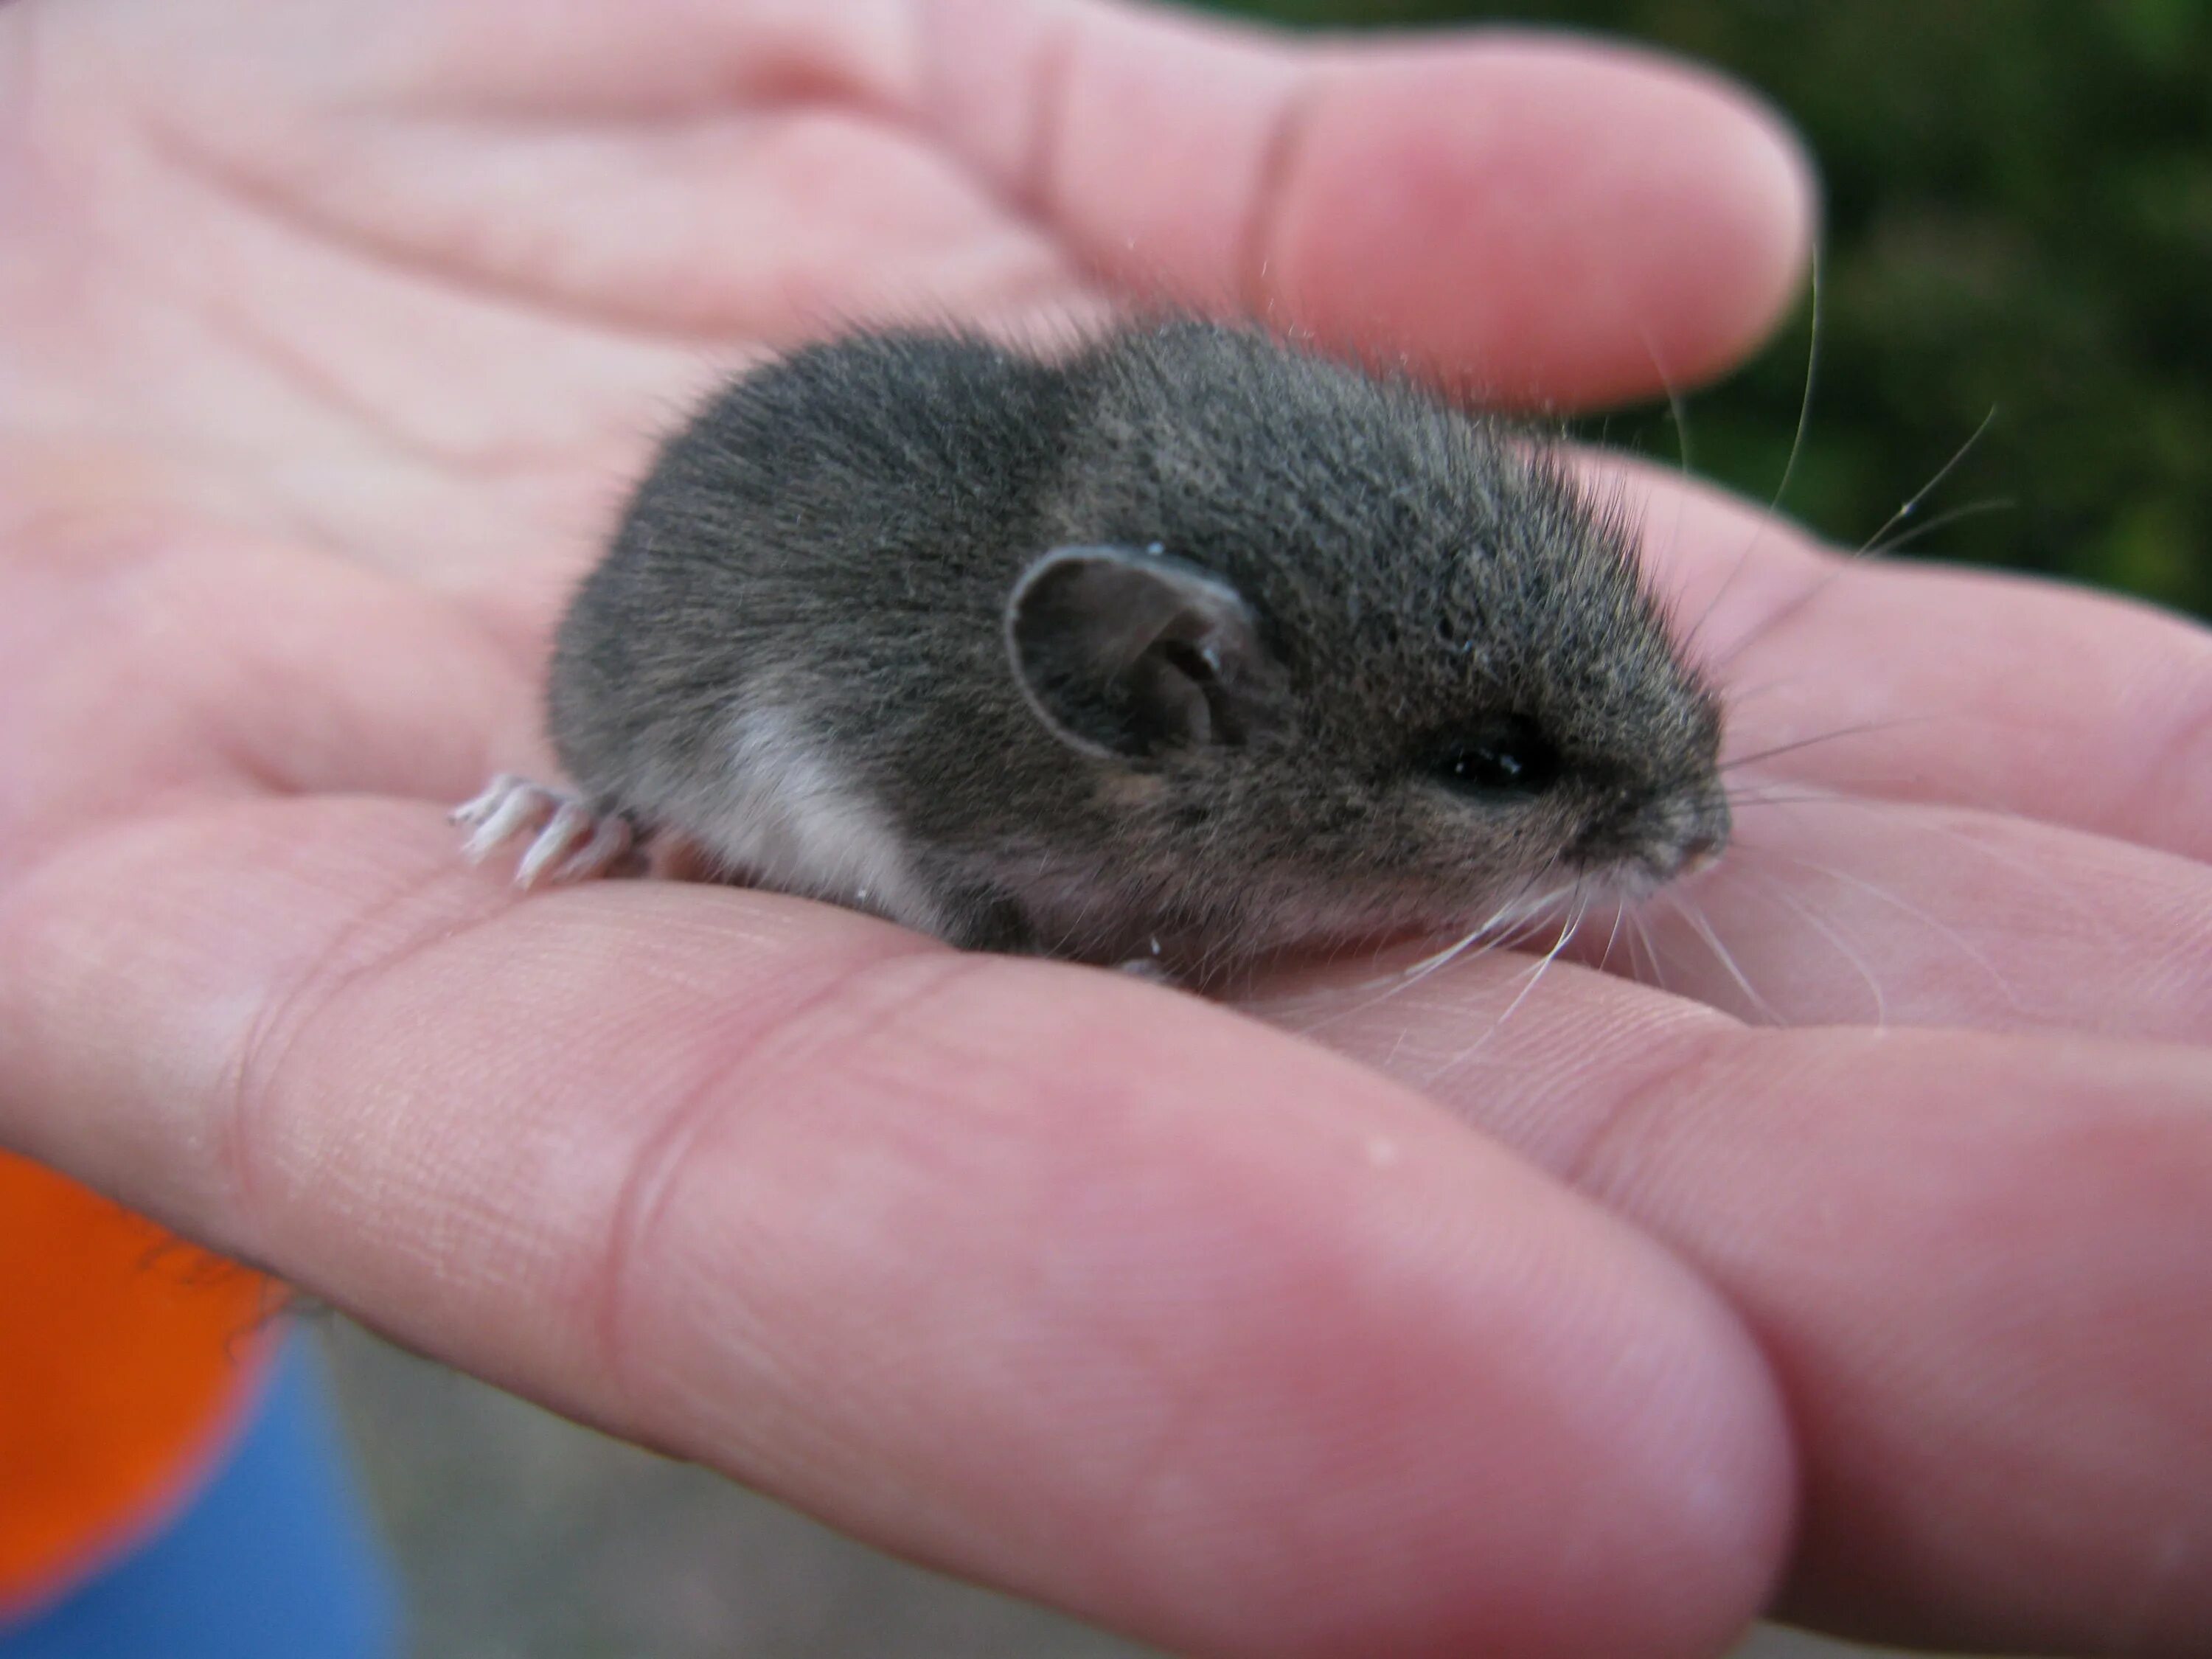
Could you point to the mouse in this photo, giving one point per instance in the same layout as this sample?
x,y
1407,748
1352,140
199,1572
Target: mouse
x,y
1188,646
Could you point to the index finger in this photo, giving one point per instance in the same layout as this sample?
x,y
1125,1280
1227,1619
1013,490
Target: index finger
x,y
1559,221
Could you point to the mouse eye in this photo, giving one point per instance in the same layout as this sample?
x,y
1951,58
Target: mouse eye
x,y
1505,756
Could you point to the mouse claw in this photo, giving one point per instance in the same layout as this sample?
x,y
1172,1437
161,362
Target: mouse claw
x,y
607,851
571,843
475,811
569,824
508,806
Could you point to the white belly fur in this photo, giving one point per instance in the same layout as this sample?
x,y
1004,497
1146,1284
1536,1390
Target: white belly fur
x,y
785,819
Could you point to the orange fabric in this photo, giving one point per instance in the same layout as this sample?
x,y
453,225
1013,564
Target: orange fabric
x,y
121,1352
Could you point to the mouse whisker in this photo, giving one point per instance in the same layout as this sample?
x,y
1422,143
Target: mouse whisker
x,y
2037,880
1613,934
1512,921
1677,407
1793,793
1790,466
1750,803
1533,977
1642,932
1912,505
1944,520
1443,959
1965,946
1505,926
1739,696
1859,730
1872,547
1813,920
1704,928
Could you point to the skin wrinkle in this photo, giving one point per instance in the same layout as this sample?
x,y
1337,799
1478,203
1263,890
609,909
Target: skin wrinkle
x,y
2181,764
786,1436
822,73
235,770
521,661
288,204
147,592
254,754
762,109
289,1012
322,384
288,514
1260,238
294,209
127,553
236,747
1036,181
800,1031
103,576
1039,190
1583,1167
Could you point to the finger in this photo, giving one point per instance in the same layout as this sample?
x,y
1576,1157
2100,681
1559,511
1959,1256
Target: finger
x,y
1831,911
1977,1262
1089,1290
1916,682
1561,221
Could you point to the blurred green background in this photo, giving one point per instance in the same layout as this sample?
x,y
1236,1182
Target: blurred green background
x,y
2019,219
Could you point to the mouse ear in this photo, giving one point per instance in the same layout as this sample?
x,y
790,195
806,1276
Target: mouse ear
x,y
1126,652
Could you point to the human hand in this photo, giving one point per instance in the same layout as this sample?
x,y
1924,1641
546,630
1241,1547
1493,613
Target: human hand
x,y
329,334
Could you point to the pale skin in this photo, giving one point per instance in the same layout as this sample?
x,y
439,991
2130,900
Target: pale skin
x,y
328,335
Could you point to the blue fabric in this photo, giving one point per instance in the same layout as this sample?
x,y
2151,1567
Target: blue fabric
x,y
273,1560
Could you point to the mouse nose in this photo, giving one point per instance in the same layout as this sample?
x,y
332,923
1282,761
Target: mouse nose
x,y
1705,837
1663,837
1700,852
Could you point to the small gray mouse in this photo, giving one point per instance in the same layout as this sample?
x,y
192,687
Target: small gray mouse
x,y
1185,648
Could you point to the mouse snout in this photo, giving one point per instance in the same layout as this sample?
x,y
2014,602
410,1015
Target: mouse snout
x,y
1700,852
1700,828
1661,838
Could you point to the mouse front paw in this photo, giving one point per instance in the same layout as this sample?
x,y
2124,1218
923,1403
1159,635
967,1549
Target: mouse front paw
x,y
571,842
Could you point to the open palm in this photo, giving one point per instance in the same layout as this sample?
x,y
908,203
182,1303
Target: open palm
x,y
1857,1250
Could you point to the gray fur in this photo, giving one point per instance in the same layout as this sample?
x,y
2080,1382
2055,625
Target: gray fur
x,y
813,652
